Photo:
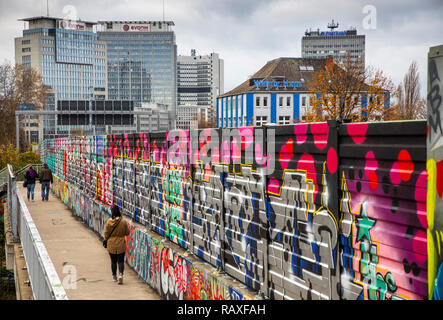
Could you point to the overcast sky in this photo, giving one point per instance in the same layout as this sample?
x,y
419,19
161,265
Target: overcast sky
x,y
248,33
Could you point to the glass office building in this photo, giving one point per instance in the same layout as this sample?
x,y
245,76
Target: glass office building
x,y
141,61
70,59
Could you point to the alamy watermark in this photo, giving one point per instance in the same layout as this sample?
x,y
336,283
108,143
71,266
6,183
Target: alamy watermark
x,y
256,145
370,19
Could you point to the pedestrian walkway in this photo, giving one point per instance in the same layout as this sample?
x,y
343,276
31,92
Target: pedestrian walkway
x,y
82,264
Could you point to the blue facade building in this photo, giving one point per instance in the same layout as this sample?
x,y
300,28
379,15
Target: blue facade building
x,y
279,93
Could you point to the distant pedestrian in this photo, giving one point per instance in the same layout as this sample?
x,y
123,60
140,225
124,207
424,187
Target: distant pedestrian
x,y
45,179
30,177
116,229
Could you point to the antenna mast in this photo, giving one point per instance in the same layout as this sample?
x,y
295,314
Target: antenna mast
x,y
332,25
47,8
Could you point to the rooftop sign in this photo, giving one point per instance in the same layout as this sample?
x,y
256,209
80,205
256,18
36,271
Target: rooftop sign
x,y
135,27
276,84
71,25
333,33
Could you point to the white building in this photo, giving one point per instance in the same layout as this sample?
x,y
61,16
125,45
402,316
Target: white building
x,y
156,117
200,79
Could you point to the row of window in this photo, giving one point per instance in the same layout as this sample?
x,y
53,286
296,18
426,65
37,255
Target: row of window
x,y
135,35
47,41
76,35
336,45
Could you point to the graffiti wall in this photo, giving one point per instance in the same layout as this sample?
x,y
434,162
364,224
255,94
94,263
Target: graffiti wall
x,y
303,215
304,211
383,204
434,166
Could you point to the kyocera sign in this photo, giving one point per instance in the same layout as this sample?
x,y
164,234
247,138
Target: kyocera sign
x,y
71,25
135,27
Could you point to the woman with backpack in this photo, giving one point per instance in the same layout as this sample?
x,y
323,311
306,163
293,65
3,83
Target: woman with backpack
x,y
30,177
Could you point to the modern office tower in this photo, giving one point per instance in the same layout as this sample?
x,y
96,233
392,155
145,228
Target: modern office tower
x,y
338,44
200,79
70,59
141,59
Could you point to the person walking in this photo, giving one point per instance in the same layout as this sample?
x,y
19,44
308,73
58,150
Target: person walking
x,y
30,177
116,229
45,179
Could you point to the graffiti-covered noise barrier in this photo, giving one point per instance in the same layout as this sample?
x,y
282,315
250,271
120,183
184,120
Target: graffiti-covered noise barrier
x,y
304,211
435,171
168,269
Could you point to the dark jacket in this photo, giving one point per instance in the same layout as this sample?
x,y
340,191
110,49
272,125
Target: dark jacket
x,y
46,175
117,241
30,178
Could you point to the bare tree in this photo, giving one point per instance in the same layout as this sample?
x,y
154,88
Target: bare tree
x,y
409,102
18,85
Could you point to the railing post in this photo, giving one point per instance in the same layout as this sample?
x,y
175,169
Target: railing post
x,y
12,203
264,225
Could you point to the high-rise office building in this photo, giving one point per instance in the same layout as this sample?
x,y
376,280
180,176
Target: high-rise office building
x,y
200,79
338,44
141,61
70,59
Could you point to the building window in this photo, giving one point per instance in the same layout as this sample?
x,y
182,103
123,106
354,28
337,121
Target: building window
x,y
26,49
284,119
26,41
303,101
280,101
257,101
288,101
265,101
261,120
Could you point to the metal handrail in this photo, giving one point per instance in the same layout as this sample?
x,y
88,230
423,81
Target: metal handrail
x,y
43,277
19,174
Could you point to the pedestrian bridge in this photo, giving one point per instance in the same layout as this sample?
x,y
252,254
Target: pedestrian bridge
x,y
56,256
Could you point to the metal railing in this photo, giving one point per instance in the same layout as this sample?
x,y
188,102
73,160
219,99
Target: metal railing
x,y
43,277
19,174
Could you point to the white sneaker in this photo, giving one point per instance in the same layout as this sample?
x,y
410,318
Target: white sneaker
x,y
114,278
120,279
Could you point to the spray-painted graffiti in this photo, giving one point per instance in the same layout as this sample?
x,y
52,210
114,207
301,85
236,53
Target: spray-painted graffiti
x,y
325,211
384,188
435,171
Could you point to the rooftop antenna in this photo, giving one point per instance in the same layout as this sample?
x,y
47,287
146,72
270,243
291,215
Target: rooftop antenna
x,y
332,25
163,10
47,8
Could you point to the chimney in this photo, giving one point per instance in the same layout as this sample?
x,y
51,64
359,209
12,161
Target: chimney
x,y
329,61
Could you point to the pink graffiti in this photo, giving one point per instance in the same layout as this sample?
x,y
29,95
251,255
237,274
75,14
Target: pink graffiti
x,y
286,153
300,133
320,131
331,160
357,131
370,166
273,186
420,198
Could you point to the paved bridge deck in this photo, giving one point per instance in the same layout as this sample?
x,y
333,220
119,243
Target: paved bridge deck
x,y
73,246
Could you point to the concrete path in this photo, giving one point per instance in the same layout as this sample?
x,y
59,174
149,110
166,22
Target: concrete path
x,y
74,247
